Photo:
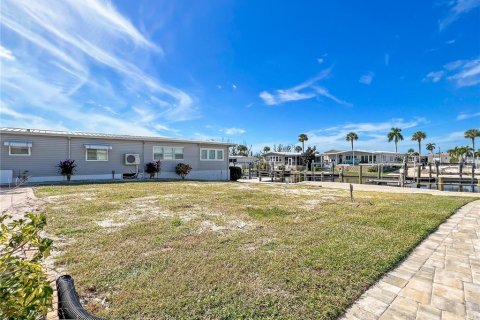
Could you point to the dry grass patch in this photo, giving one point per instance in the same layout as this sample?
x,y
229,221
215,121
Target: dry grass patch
x,y
203,250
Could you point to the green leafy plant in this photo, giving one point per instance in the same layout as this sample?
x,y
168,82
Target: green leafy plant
x,y
25,292
152,168
235,173
182,169
309,156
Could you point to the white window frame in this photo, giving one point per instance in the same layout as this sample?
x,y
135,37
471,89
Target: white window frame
x,y
86,154
208,154
24,144
19,154
173,153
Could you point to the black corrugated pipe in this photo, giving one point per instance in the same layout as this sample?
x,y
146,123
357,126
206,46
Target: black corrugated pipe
x,y
69,307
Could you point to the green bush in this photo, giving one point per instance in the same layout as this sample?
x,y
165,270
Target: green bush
x,y
182,169
235,173
25,292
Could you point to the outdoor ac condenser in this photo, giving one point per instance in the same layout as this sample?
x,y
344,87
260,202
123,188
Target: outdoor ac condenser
x,y
131,158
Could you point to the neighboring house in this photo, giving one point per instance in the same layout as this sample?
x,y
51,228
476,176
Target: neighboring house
x,y
361,156
242,161
105,156
440,158
288,159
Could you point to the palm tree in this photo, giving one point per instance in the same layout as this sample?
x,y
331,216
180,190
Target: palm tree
x,y
430,147
302,138
454,154
395,134
464,152
266,149
419,136
242,150
298,149
472,134
351,136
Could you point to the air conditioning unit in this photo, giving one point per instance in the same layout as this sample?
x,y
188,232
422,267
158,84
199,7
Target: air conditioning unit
x,y
131,158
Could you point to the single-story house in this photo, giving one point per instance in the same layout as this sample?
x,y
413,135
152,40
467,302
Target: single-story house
x,y
242,161
288,159
361,156
36,153
440,158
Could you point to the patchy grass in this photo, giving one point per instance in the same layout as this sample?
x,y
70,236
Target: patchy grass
x,y
203,250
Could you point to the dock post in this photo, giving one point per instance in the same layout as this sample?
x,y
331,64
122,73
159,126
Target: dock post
x,y
437,171
440,183
419,172
460,171
250,171
429,173
313,171
473,173
378,171
340,174
321,176
360,175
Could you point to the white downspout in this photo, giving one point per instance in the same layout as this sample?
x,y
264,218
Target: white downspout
x,y
69,148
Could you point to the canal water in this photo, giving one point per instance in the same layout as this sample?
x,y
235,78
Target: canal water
x,y
433,186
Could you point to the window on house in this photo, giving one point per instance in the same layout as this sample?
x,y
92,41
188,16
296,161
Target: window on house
x,y
211,154
97,152
19,148
167,153
203,154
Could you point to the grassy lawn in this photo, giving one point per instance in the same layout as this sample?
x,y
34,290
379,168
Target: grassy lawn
x,y
199,250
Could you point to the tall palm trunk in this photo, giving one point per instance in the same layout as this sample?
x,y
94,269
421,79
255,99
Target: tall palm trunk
x,y
473,155
396,141
419,151
353,154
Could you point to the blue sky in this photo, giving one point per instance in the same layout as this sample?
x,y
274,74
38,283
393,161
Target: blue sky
x,y
254,72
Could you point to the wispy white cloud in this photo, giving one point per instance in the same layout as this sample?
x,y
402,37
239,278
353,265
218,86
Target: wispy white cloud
x,y
457,8
233,131
6,54
367,78
463,73
325,93
464,116
434,76
303,91
60,46
467,73
161,127
320,60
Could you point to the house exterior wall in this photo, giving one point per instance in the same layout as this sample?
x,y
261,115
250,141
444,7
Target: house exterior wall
x,y
362,157
47,151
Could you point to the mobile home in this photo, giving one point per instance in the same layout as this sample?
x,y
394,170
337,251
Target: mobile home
x,y
36,153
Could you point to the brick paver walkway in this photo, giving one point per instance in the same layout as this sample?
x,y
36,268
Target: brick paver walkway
x,y
439,280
